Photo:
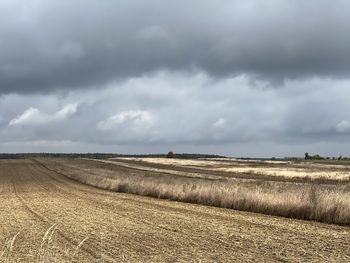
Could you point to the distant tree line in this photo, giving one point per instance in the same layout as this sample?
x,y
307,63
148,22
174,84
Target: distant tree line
x,y
188,155
106,155
56,155
318,157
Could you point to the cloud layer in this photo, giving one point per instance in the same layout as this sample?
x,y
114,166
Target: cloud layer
x,y
33,116
182,112
49,45
233,77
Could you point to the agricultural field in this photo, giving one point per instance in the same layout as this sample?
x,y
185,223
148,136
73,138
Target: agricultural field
x,y
169,210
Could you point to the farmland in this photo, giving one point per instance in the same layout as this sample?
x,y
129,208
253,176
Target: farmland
x,y
200,182
63,210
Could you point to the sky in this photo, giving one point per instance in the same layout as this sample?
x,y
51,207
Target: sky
x,y
245,78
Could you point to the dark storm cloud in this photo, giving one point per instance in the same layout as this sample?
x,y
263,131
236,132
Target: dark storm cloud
x,y
46,45
183,112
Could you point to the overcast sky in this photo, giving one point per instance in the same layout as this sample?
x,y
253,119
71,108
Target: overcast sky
x,y
239,78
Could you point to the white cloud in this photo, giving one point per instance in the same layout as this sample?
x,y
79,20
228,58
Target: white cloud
x,y
128,119
66,111
343,126
219,123
33,116
29,116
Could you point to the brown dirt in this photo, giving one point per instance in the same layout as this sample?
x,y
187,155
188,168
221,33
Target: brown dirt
x,y
124,227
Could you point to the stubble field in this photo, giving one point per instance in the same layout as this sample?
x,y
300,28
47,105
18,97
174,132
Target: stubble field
x,y
50,214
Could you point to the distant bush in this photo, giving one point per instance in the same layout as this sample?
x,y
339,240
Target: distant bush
x,y
170,155
313,157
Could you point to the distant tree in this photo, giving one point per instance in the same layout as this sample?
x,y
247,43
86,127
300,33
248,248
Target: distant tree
x,y
313,157
317,157
170,155
307,156
340,157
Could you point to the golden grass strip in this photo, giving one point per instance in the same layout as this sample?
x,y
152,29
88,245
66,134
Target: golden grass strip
x,y
324,203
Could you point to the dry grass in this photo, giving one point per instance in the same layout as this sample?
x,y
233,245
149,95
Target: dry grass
x,y
264,168
324,203
48,251
6,253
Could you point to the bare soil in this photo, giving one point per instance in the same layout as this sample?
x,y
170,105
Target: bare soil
x,y
125,227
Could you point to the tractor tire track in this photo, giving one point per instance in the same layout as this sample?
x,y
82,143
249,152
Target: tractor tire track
x,y
125,227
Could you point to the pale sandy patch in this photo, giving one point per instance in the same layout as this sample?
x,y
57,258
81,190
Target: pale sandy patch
x,y
278,169
289,172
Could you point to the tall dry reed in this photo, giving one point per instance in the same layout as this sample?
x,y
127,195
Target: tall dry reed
x,y
324,203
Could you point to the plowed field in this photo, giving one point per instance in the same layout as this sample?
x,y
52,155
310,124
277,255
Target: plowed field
x,y
47,217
